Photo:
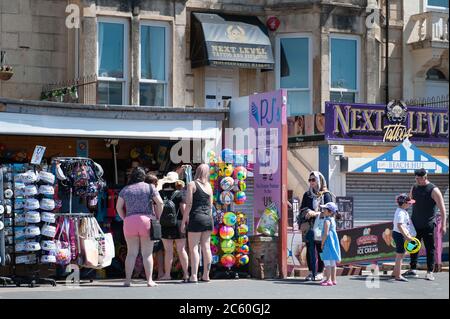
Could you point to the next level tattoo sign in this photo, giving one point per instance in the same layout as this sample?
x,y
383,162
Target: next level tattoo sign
x,y
380,123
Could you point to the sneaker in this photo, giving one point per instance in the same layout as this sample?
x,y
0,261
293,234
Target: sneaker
x,y
310,277
318,277
411,273
429,276
401,278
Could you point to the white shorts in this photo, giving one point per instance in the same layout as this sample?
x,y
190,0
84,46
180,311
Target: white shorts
x,y
329,263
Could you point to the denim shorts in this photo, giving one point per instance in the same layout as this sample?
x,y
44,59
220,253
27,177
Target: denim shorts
x,y
399,242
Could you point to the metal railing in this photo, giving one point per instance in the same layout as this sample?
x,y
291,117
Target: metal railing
x,y
82,90
442,101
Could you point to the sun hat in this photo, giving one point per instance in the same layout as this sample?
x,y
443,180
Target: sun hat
x,y
46,190
32,246
19,203
20,218
31,204
403,199
30,190
20,246
49,231
48,259
48,217
18,188
19,233
32,217
171,177
29,177
332,207
47,204
46,177
31,231
48,245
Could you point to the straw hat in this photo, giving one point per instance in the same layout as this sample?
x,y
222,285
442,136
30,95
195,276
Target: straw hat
x,y
171,177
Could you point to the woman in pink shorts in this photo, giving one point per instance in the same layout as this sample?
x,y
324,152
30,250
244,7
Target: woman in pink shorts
x,y
138,198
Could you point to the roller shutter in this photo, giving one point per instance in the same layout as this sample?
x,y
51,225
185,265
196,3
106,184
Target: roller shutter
x,y
374,194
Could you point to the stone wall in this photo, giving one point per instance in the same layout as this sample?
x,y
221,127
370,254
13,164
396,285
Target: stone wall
x,y
33,34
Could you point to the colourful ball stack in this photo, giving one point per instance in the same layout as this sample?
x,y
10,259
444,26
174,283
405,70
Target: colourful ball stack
x,y
229,240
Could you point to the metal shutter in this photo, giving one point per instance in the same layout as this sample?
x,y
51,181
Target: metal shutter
x,y
374,194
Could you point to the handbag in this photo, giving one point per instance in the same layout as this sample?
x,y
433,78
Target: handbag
x,y
63,255
89,244
155,230
106,249
317,228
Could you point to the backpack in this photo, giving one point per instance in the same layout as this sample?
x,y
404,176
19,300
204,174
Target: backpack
x,y
169,214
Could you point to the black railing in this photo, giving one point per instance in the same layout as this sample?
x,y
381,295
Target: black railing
x,y
82,90
434,101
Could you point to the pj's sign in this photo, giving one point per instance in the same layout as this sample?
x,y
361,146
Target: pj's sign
x,y
385,123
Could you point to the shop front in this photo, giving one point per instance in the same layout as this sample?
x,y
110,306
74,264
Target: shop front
x,y
161,140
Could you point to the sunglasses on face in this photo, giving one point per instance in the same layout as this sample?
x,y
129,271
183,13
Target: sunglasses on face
x,y
311,180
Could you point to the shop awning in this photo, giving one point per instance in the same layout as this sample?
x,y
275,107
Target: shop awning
x,y
229,40
46,125
404,158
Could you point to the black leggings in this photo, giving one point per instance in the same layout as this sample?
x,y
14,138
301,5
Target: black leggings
x,y
427,234
313,250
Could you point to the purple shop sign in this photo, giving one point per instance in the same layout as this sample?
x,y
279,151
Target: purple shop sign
x,y
267,115
369,122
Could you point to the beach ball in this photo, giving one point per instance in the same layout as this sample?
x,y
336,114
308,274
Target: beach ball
x,y
244,249
242,186
242,229
243,260
240,218
227,155
229,219
226,197
228,246
227,183
214,240
228,260
214,249
240,198
214,176
228,170
239,160
242,240
215,231
215,259
240,173
211,154
226,232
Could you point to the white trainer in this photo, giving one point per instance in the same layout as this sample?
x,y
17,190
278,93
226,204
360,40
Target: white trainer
x,y
429,276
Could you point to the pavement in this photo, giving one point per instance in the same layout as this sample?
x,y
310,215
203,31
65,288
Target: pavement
x,y
349,287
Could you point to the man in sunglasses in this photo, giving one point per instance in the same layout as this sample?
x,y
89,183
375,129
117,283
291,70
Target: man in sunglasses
x,y
427,197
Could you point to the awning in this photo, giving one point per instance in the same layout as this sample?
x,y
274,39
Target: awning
x,y
47,125
405,158
225,40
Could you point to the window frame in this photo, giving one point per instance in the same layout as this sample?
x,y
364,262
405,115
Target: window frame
x,y
434,8
307,36
126,61
168,48
358,64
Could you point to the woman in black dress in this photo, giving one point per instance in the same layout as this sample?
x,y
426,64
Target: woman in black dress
x,y
199,221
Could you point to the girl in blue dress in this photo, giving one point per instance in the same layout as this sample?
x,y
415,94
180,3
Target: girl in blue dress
x,y
331,252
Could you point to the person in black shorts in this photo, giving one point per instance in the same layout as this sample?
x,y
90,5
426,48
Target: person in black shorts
x,y
199,221
174,190
427,197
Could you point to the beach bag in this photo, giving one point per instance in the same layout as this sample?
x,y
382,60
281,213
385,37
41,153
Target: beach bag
x,y
63,255
318,227
106,247
88,244
169,214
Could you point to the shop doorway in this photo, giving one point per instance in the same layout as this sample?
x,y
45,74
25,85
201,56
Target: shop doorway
x,y
221,85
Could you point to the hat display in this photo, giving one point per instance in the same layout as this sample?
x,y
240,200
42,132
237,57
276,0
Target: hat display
x,y
49,231
32,217
48,245
31,204
46,190
31,231
403,199
30,190
47,204
46,177
32,246
48,217
48,259
332,207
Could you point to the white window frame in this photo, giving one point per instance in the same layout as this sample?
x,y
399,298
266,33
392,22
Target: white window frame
x,y
433,8
310,65
358,63
126,44
167,26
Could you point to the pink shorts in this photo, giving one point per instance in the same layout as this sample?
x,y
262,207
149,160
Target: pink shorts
x,y
137,225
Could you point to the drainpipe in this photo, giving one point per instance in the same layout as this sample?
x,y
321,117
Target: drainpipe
x,y
386,70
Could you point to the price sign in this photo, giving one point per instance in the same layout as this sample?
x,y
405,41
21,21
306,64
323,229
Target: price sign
x,y
38,154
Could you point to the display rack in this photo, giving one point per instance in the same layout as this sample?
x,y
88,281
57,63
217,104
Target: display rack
x,y
3,255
